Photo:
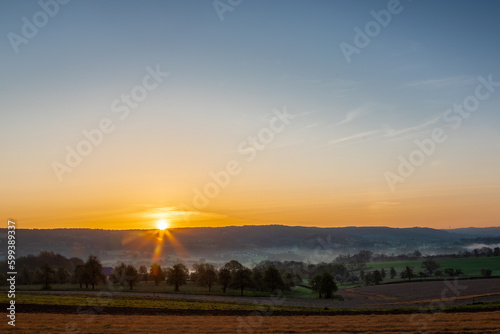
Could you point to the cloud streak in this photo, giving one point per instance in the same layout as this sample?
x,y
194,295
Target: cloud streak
x,y
359,112
450,82
392,135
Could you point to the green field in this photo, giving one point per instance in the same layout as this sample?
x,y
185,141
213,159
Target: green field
x,y
471,266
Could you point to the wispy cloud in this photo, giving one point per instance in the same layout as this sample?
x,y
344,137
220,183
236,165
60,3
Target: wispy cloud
x,y
390,134
355,138
360,111
338,83
352,115
450,82
413,129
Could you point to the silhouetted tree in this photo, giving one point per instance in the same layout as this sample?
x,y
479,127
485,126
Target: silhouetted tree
x,y
430,266
118,275
359,260
25,276
486,272
327,285
47,275
377,277
421,274
143,271
407,273
323,284
131,276
62,275
315,283
453,272
273,279
80,276
93,267
392,272
224,277
258,278
204,275
233,266
157,273
241,279
496,251
289,280
177,275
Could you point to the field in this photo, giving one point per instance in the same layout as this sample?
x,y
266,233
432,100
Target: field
x,y
441,306
462,306
471,266
392,323
385,296
439,294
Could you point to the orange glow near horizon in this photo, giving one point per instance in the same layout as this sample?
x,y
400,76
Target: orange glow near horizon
x,y
443,208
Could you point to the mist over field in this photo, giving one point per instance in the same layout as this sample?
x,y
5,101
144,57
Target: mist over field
x,y
247,244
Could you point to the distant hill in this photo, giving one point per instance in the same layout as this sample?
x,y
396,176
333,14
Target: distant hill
x,y
244,243
474,231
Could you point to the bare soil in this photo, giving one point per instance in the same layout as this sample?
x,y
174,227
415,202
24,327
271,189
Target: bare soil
x,y
423,294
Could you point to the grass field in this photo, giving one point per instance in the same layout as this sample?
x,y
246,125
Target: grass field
x,y
109,300
189,289
471,266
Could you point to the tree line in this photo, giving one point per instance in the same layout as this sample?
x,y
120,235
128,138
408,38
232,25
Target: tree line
x,y
49,268
232,275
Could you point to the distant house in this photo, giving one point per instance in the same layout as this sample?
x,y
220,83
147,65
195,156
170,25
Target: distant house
x,y
107,271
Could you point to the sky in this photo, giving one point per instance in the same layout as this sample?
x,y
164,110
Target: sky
x,y
122,114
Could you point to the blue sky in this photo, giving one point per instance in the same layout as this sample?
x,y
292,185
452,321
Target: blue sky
x,y
225,78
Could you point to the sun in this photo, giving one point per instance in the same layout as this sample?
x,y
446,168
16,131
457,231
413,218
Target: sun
x,y
162,224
